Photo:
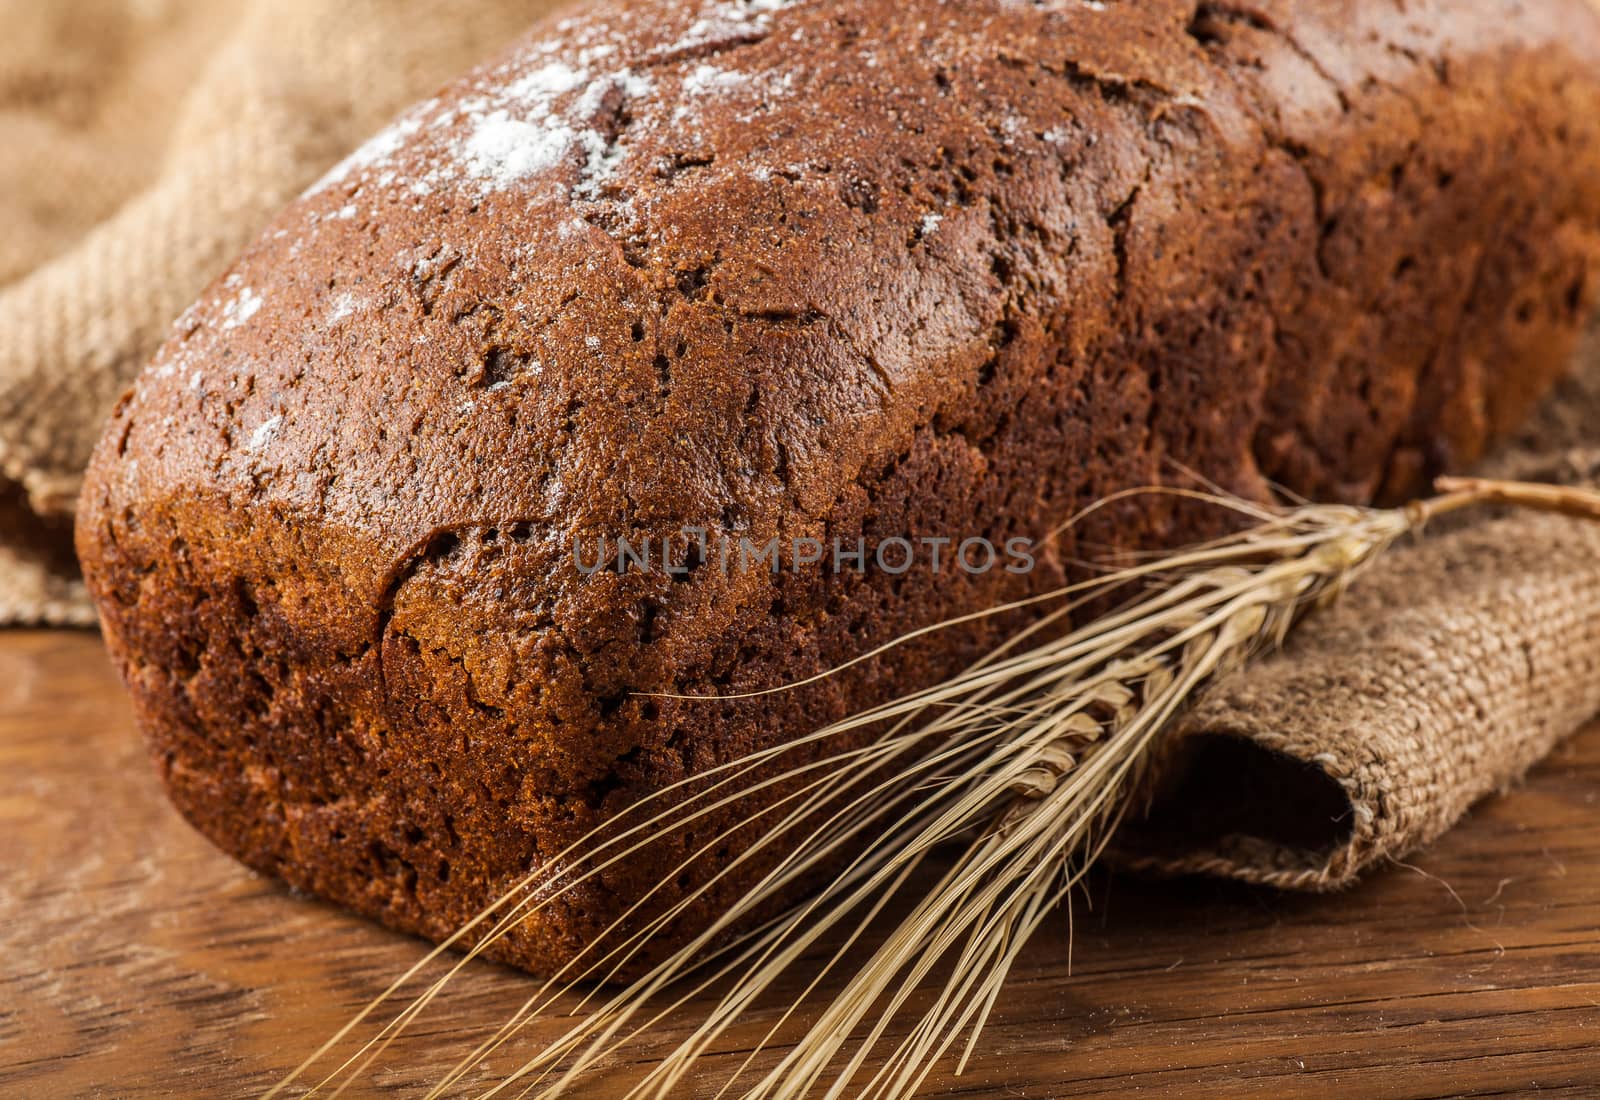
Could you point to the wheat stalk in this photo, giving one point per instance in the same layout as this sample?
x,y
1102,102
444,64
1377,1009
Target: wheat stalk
x,y
1027,760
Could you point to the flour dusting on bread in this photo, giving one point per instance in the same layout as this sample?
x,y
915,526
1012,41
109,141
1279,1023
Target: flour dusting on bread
x,y
523,126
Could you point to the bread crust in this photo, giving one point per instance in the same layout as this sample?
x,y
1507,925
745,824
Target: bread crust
x,y
824,270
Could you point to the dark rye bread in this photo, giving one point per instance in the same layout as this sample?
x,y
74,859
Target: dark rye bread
x,y
837,270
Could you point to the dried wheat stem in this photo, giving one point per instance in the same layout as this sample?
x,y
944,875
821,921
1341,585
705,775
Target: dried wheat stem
x,y
1564,499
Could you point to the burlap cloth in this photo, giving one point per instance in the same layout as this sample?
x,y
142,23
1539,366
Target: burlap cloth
x,y
148,140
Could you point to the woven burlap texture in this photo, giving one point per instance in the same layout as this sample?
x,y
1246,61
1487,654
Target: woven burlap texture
x,y
147,141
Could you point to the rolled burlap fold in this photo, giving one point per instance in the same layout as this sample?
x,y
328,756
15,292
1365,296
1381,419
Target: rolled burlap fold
x,y
150,142
1442,675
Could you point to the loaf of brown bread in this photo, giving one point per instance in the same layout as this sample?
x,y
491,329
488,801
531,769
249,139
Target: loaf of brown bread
x,y
843,270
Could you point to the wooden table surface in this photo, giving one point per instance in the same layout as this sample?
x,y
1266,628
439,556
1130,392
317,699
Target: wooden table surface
x,y
139,961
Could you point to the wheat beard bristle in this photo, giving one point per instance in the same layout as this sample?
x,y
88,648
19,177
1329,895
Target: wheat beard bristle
x,y
1026,759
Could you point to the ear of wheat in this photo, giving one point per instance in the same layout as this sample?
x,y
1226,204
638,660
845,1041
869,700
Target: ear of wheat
x,y
1025,762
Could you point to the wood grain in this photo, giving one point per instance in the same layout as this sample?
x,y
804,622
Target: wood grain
x,y
139,961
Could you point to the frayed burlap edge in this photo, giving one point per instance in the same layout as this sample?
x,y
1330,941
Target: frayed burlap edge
x,y
49,597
